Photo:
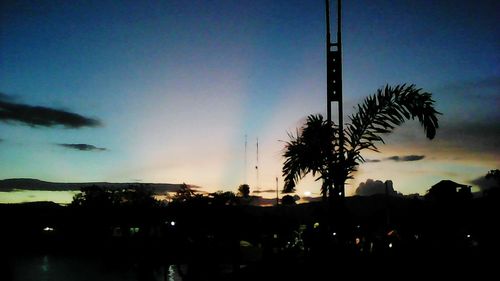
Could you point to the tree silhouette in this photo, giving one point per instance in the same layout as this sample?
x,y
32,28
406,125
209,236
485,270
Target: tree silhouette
x,y
94,196
141,196
493,191
136,196
315,148
494,175
183,194
244,190
223,198
288,200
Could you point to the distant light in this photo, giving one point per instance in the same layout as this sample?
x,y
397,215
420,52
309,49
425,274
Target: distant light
x,y
334,234
307,193
316,225
340,193
390,245
48,229
172,223
358,241
416,236
468,235
358,226
275,236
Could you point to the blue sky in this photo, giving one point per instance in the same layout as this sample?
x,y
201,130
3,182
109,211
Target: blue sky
x,y
178,84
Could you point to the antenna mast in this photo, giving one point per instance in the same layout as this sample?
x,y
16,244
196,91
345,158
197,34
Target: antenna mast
x,y
257,166
245,159
334,84
277,199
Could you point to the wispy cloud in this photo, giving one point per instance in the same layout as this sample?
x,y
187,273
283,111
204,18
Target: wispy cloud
x,y
406,158
82,146
480,136
264,191
35,116
480,88
397,158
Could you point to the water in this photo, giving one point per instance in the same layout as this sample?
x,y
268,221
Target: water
x,y
49,267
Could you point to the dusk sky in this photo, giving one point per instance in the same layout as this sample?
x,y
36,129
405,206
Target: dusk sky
x,y
165,91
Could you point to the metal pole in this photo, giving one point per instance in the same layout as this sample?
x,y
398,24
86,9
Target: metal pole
x,y
246,168
340,104
257,166
328,62
277,197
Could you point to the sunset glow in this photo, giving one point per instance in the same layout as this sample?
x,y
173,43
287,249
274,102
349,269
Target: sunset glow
x,y
177,87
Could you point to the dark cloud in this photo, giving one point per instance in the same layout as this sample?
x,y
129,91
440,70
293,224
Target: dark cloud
x,y
372,160
406,158
12,185
264,191
308,199
470,115
82,146
372,187
261,201
481,88
480,136
35,116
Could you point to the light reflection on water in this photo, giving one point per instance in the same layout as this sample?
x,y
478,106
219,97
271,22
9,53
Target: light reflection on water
x,y
80,268
45,264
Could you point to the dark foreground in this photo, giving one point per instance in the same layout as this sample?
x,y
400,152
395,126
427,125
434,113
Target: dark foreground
x,y
395,239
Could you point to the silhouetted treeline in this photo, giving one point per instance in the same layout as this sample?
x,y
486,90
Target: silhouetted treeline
x,y
207,232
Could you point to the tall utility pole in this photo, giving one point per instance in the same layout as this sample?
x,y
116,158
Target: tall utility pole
x,y
245,182
277,198
334,82
257,167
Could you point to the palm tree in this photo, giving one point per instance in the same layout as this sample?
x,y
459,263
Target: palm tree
x,y
315,148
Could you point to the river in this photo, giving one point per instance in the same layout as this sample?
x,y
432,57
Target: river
x,y
53,267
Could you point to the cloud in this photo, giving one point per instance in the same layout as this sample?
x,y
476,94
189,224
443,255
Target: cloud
x,y
372,187
264,191
308,199
35,116
479,136
372,160
261,201
13,185
82,146
406,158
480,88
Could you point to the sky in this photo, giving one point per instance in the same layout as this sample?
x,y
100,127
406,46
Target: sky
x,y
168,91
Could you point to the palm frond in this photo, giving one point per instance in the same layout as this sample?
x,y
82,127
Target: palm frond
x,y
308,151
315,148
380,113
